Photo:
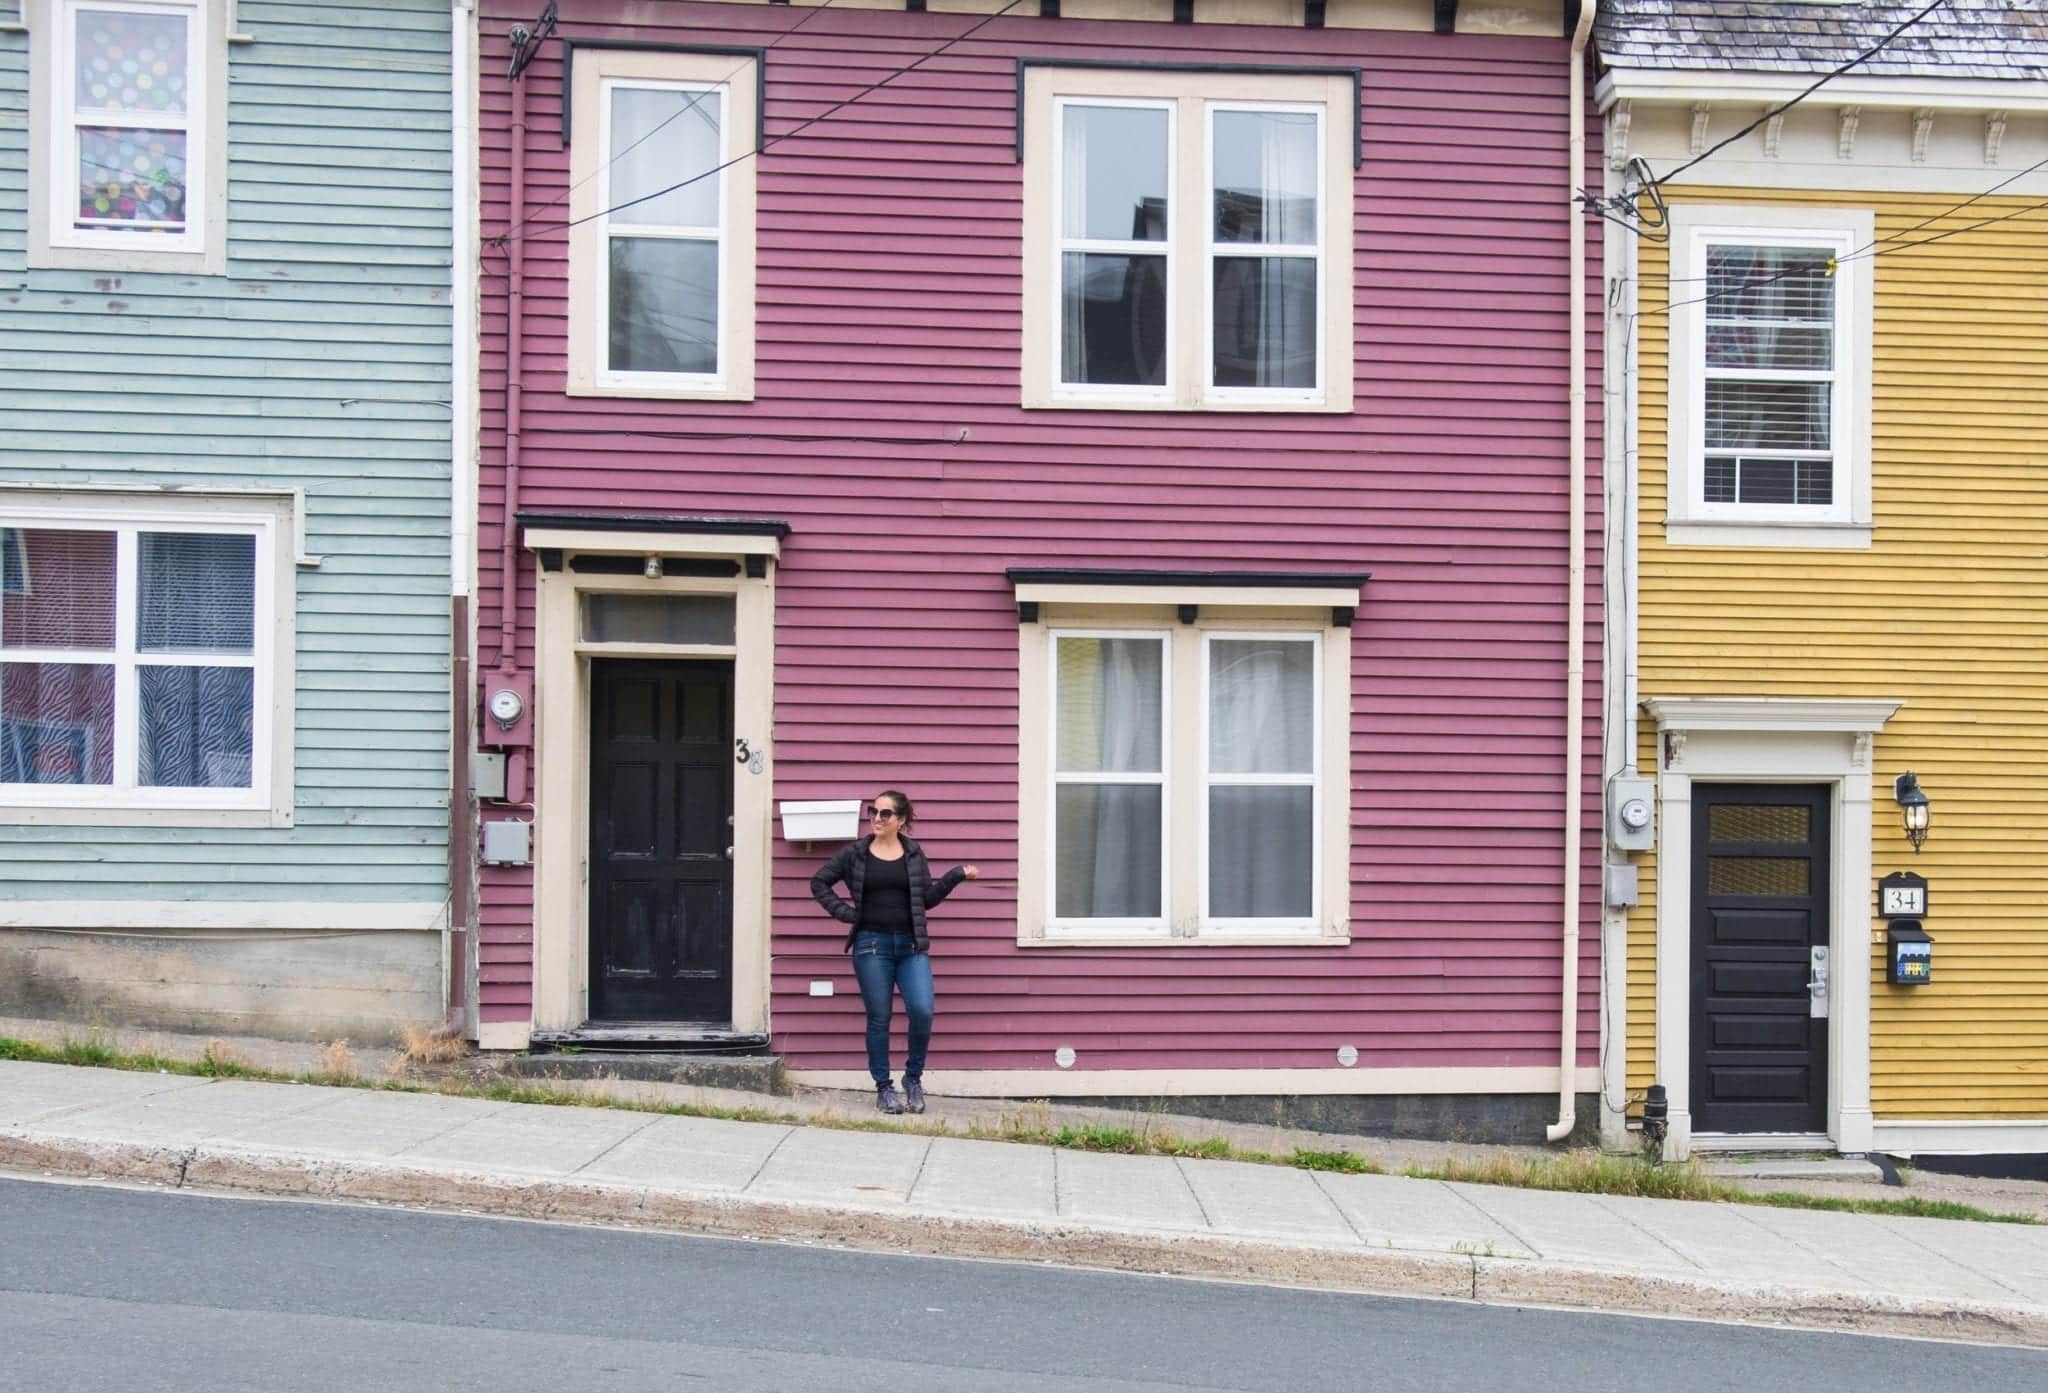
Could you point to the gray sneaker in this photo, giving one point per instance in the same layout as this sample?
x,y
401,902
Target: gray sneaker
x,y
913,1095
888,1099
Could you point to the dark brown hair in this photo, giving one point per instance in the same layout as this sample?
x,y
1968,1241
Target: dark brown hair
x,y
904,812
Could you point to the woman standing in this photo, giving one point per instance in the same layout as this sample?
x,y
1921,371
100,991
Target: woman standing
x,y
889,888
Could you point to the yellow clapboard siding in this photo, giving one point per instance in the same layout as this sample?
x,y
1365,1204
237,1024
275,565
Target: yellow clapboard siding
x,y
1947,610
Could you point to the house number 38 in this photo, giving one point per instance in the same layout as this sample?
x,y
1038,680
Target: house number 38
x,y
747,755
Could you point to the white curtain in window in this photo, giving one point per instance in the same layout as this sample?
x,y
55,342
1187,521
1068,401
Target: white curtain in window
x,y
1261,834
1108,834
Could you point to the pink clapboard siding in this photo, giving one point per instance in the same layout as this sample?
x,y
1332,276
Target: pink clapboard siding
x,y
886,430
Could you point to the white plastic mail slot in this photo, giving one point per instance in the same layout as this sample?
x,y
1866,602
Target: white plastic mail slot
x,y
832,820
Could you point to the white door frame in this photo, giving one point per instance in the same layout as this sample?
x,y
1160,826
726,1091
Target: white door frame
x,y
1778,740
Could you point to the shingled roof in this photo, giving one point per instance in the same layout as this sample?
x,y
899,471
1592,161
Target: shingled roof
x,y
1964,38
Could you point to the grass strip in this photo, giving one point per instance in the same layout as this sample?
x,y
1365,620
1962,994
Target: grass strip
x,y
1627,1175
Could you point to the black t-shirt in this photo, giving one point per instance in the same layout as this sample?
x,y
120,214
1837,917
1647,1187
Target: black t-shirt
x,y
885,895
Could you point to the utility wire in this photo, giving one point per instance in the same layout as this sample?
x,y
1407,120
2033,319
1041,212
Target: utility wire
x,y
773,141
695,101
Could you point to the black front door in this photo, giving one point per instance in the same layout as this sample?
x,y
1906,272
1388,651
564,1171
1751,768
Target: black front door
x,y
661,771
1759,911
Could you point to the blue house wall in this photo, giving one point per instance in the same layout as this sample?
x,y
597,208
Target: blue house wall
x,y
319,362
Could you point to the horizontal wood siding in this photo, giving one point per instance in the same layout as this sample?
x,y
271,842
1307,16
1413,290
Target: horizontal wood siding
x,y
886,430
320,361
1948,609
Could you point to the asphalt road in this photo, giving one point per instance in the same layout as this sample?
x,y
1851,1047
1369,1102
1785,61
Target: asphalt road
x,y
118,1289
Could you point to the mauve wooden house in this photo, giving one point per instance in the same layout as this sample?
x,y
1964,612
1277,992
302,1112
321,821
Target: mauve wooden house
x,y
1152,437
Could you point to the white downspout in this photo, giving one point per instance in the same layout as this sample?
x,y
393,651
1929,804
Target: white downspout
x,y
462,302
462,488
1575,626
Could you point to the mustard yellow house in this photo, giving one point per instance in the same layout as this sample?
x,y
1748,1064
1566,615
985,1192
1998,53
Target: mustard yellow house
x,y
1827,433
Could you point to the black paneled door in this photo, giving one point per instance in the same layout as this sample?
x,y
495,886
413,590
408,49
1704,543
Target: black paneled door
x,y
661,772
1759,912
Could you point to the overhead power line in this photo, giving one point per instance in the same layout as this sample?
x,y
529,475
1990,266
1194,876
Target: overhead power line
x,y
773,141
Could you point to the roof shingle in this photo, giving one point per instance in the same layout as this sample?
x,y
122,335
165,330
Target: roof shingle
x,y
1964,38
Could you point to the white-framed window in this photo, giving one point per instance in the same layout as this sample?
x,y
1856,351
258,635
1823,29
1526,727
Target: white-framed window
x,y
1770,341
129,152
1184,782
145,664
1187,240
662,267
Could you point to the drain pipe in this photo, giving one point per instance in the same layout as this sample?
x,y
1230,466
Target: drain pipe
x,y
461,512
515,375
1575,624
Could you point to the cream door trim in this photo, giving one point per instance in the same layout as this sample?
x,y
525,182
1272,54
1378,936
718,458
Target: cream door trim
x,y
561,923
1775,740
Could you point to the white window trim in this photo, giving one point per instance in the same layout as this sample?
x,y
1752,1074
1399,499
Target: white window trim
x,y
1690,519
1194,98
54,243
597,72
1055,927
1125,612
1265,396
1210,923
268,800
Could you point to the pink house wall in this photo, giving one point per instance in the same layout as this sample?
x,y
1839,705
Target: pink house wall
x,y
886,430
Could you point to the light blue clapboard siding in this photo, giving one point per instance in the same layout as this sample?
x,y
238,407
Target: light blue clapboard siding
x,y
320,361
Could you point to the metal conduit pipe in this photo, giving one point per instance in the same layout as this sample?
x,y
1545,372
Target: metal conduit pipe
x,y
1575,624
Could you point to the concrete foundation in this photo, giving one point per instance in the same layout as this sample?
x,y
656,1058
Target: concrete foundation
x,y
1504,1118
282,983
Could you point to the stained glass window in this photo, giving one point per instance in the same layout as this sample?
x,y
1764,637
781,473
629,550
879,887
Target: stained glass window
x,y
133,75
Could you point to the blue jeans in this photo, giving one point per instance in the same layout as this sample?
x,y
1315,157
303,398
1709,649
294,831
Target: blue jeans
x,y
884,964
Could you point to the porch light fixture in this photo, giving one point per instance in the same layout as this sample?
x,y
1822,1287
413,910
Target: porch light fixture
x,y
652,570
1913,806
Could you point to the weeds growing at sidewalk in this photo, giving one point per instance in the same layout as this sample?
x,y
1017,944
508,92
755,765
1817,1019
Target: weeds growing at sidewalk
x,y
1032,1124
1626,1175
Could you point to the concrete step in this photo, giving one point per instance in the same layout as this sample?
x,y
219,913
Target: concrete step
x,y
753,1073
1844,1168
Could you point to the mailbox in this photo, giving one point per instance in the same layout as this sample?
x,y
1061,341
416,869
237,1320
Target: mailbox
x,y
1911,953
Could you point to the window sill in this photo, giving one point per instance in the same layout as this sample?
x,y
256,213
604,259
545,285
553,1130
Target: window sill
x,y
81,816
1228,407
1214,940
656,392
137,261
1680,532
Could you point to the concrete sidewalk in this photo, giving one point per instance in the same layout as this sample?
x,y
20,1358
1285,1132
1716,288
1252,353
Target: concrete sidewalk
x,y
946,1195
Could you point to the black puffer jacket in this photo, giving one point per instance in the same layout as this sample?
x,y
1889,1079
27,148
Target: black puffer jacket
x,y
851,866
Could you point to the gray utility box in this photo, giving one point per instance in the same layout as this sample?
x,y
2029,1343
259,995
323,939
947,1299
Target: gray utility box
x,y
508,842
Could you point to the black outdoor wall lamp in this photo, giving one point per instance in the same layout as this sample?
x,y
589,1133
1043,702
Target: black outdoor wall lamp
x,y
1913,806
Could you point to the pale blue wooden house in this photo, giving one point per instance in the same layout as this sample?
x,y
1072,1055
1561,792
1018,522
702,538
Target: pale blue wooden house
x,y
227,605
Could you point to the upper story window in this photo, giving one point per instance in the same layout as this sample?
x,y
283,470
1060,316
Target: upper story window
x,y
142,676
129,154
1770,371
1188,240
662,270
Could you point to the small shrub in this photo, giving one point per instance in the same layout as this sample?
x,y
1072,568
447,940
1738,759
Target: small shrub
x,y
337,1062
223,1061
431,1046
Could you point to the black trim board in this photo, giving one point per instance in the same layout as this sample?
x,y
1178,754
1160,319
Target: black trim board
x,y
656,522
1357,76
758,54
1216,580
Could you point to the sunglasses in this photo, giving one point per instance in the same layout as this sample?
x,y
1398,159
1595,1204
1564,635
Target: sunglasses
x,y
879,813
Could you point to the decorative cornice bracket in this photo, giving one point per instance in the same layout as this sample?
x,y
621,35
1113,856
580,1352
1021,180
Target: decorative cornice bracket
x,y
1852,116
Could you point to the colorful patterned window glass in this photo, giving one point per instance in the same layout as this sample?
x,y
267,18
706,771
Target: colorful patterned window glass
x,y
131,104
